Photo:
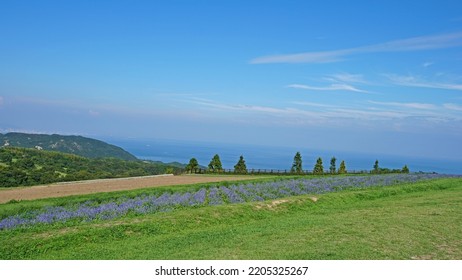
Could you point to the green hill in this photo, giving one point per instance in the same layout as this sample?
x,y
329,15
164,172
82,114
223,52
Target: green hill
x,y
77,145
26,167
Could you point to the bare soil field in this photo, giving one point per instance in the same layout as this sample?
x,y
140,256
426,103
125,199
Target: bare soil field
x,y
108,185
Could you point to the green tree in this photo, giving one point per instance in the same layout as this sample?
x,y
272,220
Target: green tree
x,y
318,168
333,168
342,168
215,164
192,165
297,165
5,156
26,163
405,169
12,177
240,167
376,169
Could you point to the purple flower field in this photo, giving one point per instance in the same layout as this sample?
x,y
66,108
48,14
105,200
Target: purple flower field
x,y
238,193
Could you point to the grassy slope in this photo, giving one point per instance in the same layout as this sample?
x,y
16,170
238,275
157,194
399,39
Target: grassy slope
x,y
418,221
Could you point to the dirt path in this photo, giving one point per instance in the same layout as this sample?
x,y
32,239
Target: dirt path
x,y
108,185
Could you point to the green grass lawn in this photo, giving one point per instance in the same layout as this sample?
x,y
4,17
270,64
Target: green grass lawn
x,y
412,221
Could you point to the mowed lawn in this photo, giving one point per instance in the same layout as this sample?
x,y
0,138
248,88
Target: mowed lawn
x,y
412,221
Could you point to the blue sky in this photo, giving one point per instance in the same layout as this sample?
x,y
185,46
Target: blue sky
x,y
341,75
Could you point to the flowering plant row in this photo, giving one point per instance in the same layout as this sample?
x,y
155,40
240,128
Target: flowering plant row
x,y
238,193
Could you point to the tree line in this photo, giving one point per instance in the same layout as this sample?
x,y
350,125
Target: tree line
x,y
215,166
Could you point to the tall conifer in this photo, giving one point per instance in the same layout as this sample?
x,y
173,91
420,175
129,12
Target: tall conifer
x,y
297,165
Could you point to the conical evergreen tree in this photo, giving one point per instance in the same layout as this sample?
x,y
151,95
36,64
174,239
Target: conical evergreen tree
x,y
318,168
333,168
342,168
240,167
405,169
297,165
215,164
376,169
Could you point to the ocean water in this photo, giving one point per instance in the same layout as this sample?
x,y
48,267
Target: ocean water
x,y
281,158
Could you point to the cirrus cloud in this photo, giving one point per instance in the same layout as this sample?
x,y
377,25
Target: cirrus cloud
x,y
429,42
332,87
413,81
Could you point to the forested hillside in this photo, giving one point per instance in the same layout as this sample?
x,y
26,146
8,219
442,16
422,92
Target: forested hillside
x,y
77,145
26,167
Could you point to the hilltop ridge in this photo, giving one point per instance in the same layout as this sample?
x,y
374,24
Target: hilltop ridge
x,y
77,145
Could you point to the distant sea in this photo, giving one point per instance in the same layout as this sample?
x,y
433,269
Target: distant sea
x,y
266,157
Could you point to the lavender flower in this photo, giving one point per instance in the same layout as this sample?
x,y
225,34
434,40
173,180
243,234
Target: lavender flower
x,y
214,197
232,195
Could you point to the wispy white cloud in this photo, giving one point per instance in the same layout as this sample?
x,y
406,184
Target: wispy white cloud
x,y
430,42
332,87
369,115
309,57
421,106
313,104
347,78
412,81
452,106
310,113
247,108
322,113
337,82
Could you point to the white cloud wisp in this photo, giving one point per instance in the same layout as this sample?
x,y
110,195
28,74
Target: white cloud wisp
x,y
412,81
332,87
430,42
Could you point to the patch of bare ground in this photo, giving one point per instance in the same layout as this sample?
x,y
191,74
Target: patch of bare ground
x,y
271,204
109,185
423,257
275,203
54,233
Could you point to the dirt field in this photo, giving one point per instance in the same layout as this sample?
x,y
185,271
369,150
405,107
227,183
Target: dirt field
x,y
108,185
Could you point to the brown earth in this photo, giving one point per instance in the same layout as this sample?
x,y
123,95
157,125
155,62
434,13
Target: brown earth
x,y
108,185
